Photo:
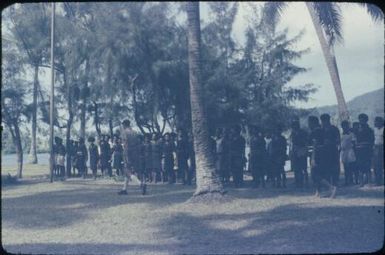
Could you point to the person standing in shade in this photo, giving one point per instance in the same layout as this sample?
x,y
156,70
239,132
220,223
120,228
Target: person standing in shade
x,y
348,157
131,146
356,174
147,150
182,157
74,158
332,141
82,158
117,151
237,155
298,153
364,148
168,149
258,157
105,156
94,156
156,157
320,174
278,156
378,157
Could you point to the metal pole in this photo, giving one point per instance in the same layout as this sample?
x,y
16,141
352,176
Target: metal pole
x,y
51,105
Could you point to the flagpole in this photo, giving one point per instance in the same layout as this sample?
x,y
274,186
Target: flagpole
x,y
51,105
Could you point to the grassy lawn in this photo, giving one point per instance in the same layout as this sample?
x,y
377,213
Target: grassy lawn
x,y
79,216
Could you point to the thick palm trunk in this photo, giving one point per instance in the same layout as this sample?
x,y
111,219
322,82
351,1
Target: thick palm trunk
x,y
32,152
206,178
331,63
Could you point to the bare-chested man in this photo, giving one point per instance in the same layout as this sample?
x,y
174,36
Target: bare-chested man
x,y
130,153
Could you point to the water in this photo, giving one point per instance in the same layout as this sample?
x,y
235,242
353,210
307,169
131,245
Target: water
x,y
11,159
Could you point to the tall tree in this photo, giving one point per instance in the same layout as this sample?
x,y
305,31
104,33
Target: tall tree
x,y
326,18
12,98
206,178
30,27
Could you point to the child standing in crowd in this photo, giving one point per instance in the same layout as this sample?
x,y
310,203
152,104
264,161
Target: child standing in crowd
x,y
378,159
348,157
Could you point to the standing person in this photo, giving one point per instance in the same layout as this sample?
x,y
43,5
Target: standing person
x,y
269,158
356,174
378,158
237,155
348,157
298,153
105,156
258,154
82,157
278,155
94,155
364,148
147,151
141,171
109,150
219,152
320,174
131,146
168,149
117,151
332,141
156,156
74,158
182,156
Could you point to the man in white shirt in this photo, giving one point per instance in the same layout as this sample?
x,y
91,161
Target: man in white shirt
x,y
378,157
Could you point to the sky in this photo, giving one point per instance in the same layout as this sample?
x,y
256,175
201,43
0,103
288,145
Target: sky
x,y
360,58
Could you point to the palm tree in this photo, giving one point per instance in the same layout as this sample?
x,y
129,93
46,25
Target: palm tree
x,y
326,19
206,178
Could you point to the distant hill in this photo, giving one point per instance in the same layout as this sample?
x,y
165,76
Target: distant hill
x,y
371,103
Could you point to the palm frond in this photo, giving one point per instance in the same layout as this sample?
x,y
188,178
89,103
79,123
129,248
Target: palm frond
x,y
374,11
329,15
272,11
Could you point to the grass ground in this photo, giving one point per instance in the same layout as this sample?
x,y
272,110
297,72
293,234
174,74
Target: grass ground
x,y
80,216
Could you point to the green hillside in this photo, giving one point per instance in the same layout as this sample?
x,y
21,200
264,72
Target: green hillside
x,y
371,103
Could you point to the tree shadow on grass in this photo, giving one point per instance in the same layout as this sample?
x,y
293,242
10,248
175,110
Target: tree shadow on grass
x,y
285,229
52,209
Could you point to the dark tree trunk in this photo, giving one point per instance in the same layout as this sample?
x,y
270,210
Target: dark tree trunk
x,y
32,152
111,127
83,106
206,178
69,125
19,149
96,119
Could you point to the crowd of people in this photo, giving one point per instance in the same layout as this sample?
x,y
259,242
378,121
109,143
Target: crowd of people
x,y
321,147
